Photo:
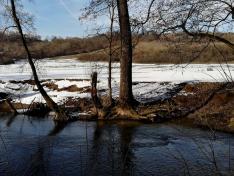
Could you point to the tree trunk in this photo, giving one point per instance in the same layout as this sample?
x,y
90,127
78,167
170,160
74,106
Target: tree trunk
x,y
94,95
100,112
112,15
109,78
126,95
50,103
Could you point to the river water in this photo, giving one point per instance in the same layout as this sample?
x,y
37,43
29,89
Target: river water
x,y
38,146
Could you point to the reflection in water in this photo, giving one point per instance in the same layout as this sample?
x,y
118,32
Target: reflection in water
x,y
37,165
42,147
40,159
96,147
58,127
10,120
112,149
126,135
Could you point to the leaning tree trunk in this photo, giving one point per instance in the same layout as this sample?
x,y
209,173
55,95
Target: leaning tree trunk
x,y
50,103
126,95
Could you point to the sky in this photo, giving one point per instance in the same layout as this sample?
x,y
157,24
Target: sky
x,y
58,17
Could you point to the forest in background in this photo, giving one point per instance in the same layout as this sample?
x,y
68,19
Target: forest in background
x,y
149,48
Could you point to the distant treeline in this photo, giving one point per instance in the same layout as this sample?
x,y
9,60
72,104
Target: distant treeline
x,y
149,48
11,46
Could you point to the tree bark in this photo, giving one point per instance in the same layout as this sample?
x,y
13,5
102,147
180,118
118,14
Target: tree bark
x,y
50,103
94,95
112,15
100,112
126,95
110,75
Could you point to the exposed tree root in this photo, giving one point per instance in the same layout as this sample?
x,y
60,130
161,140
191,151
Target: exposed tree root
x,y
62,116
8,101
127,112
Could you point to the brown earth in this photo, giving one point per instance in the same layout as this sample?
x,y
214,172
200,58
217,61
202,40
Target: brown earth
x,y
208,105
218,113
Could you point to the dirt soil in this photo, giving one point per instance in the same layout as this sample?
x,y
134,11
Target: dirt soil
x,y
208,105
213,105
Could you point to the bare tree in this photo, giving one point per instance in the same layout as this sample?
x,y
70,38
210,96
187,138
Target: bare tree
x,y
126,94
51,104
112,8
196,18
100,8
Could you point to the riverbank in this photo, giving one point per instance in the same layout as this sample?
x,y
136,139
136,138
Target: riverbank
x,y
165,92
148,51
157,52
208,105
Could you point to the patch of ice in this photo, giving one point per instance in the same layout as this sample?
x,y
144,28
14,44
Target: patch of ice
x,y
66,83
145,92
151,78
73,69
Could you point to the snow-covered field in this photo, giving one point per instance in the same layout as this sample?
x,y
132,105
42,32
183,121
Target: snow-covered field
x,y
73,69
67,72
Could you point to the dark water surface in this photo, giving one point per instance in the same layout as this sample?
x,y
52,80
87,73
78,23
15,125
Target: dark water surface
x,y
34,146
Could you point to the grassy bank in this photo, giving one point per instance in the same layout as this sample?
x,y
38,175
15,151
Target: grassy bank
x,y
171,49
165,53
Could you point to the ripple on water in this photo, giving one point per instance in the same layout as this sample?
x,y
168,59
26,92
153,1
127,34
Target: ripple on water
x,y
39,146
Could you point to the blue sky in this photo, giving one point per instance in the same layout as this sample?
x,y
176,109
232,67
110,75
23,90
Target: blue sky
x,y
58,17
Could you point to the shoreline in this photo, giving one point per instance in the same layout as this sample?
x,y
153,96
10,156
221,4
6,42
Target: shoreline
x,y
216,114
164,91
68,57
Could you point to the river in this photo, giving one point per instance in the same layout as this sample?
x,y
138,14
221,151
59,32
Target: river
x,y
39,146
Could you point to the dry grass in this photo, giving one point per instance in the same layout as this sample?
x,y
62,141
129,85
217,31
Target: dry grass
x,y
171,49
163,52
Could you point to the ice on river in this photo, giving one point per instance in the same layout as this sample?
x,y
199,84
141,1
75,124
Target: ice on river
x,y
67,72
